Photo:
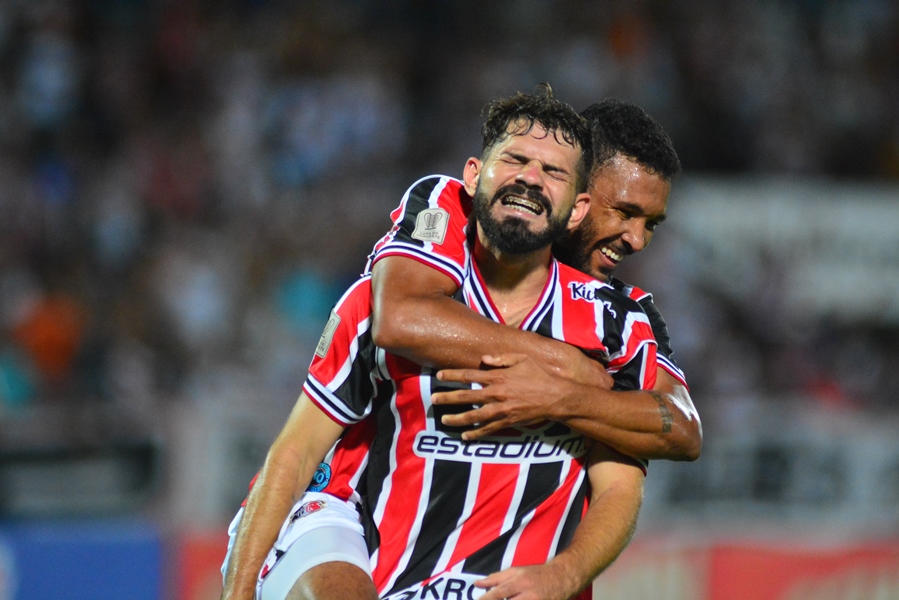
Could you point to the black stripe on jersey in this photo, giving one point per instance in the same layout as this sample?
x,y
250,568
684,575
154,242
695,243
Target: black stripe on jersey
x,y
445,506
335,404
545,325
481,298
574,517
659,327
426,256
542,480
378,462
618,307
351,398
546,302
629,376
417,199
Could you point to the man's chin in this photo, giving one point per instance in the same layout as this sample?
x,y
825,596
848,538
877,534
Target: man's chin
x,y
602,271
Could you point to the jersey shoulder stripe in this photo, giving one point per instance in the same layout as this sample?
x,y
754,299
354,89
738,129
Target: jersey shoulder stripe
x,y
430,225
659,326
340,378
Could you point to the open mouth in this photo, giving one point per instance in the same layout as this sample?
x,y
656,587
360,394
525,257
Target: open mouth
x,y
523,204
611,254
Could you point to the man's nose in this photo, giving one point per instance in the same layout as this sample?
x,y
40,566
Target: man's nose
x,y
635,235
531,174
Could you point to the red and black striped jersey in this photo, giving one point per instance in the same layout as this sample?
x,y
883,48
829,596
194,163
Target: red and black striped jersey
x,y
659,328
430,226
431,502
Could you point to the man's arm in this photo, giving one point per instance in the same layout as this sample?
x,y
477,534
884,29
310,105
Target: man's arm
x,y
657,424
605,530
415,317
296,453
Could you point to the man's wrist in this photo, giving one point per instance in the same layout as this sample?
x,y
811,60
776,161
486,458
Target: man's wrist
x,y
566,572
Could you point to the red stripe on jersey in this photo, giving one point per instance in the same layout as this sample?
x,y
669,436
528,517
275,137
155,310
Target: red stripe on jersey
x,y
639,335
635,293
331,358
350,457
536,543
579,326
674,372
397,514
450,255
495,492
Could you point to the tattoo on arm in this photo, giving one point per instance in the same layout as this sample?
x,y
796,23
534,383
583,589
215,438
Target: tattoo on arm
x,y
664,412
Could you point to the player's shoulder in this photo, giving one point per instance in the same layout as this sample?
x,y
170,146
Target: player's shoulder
x,y
436,198
439,189
581,286
631,291
357,299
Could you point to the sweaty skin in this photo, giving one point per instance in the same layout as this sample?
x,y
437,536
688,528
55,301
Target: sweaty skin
x,y
415,317
309,433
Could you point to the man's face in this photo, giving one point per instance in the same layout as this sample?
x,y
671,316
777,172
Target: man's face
x,y
524,191
627,204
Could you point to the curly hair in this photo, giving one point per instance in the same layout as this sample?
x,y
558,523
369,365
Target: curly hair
x,y
517,115
622,128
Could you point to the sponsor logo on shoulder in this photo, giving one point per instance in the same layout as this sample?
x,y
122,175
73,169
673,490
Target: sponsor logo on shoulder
x,y
307,509
590,293
430,225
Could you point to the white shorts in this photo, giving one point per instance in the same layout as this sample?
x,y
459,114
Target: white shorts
x,y
320,528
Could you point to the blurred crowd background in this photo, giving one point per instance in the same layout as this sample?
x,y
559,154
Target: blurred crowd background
x,y
186,186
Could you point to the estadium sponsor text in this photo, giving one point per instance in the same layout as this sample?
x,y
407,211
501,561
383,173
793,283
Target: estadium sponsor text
x,y
534,448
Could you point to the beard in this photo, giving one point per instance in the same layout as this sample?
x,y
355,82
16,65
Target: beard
x,y
512,235
573,249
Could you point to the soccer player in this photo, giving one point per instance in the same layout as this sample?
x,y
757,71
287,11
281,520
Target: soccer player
x,y
440,512
532,377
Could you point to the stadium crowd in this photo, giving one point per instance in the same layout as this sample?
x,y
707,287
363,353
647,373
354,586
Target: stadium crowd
x,y
185,187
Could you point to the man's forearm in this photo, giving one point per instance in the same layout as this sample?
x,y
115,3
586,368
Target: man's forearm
x,y
561,383
288,469
647,424
434,330
606,528
657,424
270,500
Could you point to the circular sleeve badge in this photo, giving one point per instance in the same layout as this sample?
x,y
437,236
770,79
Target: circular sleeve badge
x,y
321,478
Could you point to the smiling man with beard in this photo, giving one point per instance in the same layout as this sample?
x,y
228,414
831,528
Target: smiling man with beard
x,y
403,506
524,377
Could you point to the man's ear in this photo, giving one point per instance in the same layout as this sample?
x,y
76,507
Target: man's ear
x,y
579,210
471,174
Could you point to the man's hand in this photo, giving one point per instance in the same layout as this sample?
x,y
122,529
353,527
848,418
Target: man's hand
x,y
514,390
537,582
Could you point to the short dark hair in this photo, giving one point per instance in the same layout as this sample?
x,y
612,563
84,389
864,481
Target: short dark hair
x,y
622,128
541,107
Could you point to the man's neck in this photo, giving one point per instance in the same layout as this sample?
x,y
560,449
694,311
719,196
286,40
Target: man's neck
x,y
515,281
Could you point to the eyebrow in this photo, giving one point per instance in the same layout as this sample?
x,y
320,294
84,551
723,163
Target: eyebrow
x,y
636,209
546,166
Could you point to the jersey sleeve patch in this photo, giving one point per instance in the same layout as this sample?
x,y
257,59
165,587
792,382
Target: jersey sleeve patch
x,y
327,335
430,225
